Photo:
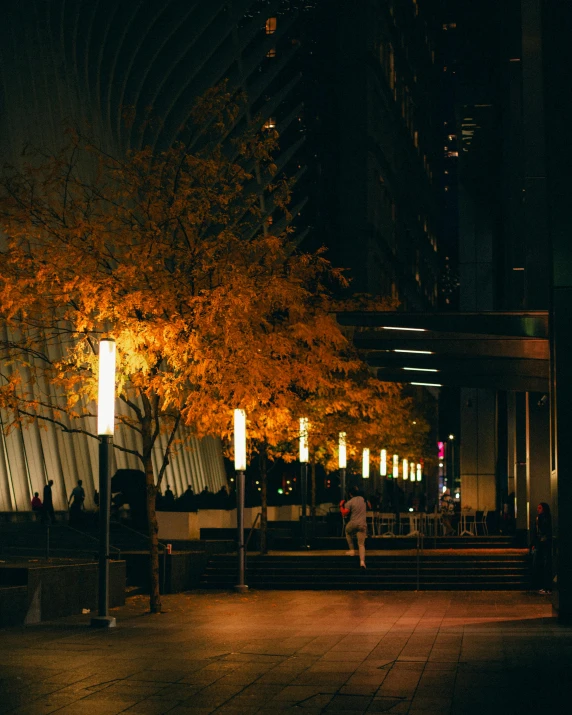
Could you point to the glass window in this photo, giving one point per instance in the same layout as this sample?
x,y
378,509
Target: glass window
x,y
271,26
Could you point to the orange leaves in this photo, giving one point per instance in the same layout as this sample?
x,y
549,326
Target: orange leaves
x,y
165,252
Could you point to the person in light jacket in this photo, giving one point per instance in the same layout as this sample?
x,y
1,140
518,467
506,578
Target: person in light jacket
x,y
356,528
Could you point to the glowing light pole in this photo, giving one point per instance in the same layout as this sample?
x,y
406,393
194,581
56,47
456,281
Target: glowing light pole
x,y
105,428
240,468
342,463
304,455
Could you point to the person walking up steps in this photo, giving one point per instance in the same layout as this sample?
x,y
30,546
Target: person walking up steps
x,y
356,509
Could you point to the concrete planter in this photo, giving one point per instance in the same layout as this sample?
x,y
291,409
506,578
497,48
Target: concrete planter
x,y
31,594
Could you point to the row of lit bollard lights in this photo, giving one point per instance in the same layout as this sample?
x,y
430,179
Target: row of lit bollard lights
x,y
409,469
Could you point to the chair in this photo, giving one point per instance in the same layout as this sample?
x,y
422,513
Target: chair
x,y
432,524
483,522
411,520
370,518
415,523
387,521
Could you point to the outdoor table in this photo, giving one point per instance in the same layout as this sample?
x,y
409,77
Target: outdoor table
x,y
467,522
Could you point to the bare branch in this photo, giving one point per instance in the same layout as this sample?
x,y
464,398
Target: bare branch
x,y
129,451
168,451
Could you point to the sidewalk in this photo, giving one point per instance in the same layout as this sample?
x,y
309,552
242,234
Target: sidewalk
x,y
298,652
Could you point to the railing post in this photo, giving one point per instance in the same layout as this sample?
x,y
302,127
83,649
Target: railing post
x,y
103,619
240,546
304,495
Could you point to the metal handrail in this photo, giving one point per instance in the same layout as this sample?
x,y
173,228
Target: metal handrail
x,y
159,543
248,539
250,532
139,533
89,536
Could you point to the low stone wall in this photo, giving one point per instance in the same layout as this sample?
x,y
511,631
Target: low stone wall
x,y
178,525
179,571
56,590
187,526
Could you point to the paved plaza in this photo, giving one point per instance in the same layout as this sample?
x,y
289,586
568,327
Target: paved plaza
x,y
305,652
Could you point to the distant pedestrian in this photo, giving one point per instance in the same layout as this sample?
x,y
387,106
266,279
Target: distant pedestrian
x,y
168,499
48,513
37,504
356,509
447,512
542,549
75,504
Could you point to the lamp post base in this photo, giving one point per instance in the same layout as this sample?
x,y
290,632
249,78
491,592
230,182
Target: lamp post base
x,y
103,622
241,588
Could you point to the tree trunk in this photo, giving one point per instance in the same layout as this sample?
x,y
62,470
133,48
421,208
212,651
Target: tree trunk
x,y
154,591
262,462
313,494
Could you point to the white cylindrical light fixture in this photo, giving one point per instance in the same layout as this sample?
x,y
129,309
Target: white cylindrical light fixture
x,y
240,440
304,456
342,454
395,466
365,463
383,463
405,469
419,473
106,388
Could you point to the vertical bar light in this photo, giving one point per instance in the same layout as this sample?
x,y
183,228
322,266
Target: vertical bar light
x,y
405,469
383,463
395,466
105,429
419,473
304,456
365,463
240,468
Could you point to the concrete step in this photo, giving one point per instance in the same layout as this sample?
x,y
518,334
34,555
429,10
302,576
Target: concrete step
x,y
454,571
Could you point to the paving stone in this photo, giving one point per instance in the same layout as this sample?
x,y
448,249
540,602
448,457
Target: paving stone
x,y
304,652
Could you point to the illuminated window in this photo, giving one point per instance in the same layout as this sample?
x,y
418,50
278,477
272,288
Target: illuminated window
x,y
271,26
270,123
416,138
271,53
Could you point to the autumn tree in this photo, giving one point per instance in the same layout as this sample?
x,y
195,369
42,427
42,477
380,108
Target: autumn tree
x,y
166,252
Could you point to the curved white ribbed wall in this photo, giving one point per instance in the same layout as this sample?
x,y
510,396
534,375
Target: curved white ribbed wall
x,y
33,455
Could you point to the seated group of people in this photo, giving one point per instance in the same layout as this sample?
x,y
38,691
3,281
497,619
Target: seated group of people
x,y
189,501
